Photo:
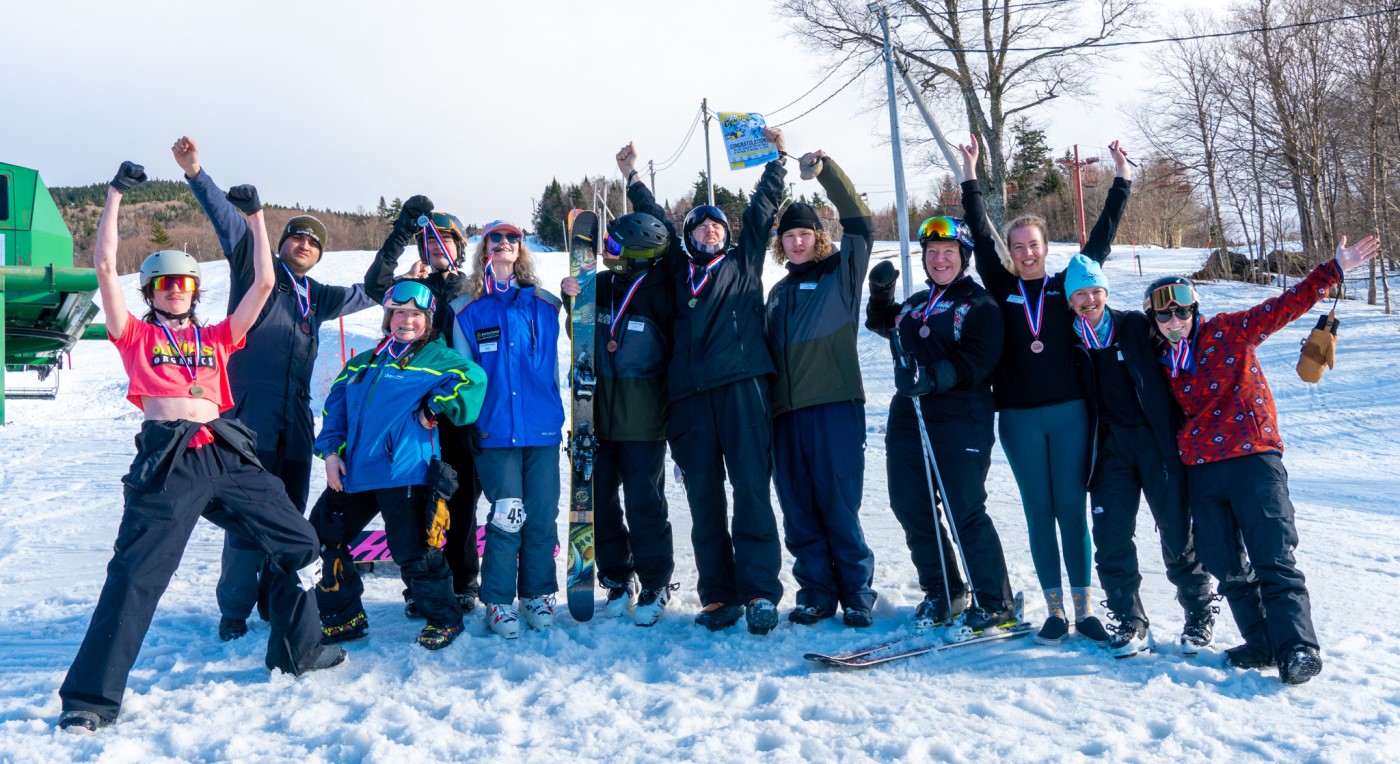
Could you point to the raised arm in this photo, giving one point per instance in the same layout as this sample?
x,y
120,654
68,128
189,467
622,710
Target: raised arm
x,y
104,257
642,200
763,207
228,224
858,231
1275,313
881,310
995,277
245,199
1100,241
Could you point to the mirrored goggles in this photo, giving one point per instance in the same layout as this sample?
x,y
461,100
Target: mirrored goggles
x,y
177,283
410,294
1165,296
943,228
614,248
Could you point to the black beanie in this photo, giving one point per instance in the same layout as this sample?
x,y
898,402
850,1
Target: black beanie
x,y
799,215
305,225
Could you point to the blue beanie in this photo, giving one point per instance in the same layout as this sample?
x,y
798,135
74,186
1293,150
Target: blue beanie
x,y
1084,272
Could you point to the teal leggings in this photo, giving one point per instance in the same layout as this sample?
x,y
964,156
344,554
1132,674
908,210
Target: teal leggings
x,y
1048,448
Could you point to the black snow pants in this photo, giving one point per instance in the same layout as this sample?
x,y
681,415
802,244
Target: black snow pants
x,y
460,550
233,492
338,517
643,544
963,451
1246,536
728,430
1127,467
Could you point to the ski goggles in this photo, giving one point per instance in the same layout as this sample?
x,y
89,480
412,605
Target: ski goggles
x,y
176,283
448,223
1166,295
614,248
496,237
410,294
1179,312
942,228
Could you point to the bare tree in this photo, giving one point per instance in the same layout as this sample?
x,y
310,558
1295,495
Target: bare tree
x,y
1000,58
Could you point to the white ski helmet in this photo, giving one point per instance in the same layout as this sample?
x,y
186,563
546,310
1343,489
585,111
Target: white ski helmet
x,y
168,262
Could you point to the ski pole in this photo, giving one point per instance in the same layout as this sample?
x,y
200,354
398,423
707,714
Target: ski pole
x,y
933,505
946,512
426,224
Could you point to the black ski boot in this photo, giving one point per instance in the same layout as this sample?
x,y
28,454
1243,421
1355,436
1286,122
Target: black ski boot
x,y
934,611
81,721
994,615
1246,656
808,615
1299,664
718,616
467,599
761,615
858,617
232,628
1199,630
1130,636
410,607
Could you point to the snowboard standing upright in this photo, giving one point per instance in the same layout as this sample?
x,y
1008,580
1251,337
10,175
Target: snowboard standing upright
x,y
583,444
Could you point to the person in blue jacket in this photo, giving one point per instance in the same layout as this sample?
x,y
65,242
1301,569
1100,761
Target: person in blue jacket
x,y
272,380
510,325
380,443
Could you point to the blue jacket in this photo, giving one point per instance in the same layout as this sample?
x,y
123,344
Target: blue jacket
x,y
371,414
515,337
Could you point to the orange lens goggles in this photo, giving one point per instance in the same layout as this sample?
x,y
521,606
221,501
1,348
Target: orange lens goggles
x,y
176,283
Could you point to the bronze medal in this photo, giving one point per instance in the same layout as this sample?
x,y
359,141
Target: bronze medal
x,y
924,331
197,391
305,327
693,301
1037,346
612,346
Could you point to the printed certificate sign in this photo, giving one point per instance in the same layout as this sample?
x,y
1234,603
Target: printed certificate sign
x,y
744,141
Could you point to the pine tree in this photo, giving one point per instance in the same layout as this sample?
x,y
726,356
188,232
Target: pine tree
x,y
159,236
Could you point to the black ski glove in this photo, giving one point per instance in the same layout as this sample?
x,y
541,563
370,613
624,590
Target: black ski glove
x,y
442,483
882,279
129,176
417,206
245,198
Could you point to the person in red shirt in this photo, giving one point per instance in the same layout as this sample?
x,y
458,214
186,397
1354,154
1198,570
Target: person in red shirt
x,y
1232,449
189,464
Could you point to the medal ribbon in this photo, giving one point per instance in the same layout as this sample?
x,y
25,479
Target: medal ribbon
x,y
926,311
1091,336
1034,320
696,289
303,290
388,348
617,312
492,285
1180,356
190,368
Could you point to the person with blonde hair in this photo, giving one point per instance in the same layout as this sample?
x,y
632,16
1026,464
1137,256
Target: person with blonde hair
x,y
509,324
813,315
1043,417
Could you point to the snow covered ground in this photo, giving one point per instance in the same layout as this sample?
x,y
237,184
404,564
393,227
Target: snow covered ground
x,y
608,690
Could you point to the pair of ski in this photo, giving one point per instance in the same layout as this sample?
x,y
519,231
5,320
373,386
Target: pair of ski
x,y
938,640
584,246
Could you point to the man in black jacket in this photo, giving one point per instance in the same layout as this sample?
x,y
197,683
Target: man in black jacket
x,y
271,378
720,414
1134,455
635,315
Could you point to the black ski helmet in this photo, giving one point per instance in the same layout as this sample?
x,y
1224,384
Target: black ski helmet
x,y
944,228
635,242
1165,291
696,217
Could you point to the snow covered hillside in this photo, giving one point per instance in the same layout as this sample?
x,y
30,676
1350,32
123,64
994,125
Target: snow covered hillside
x,y
610,691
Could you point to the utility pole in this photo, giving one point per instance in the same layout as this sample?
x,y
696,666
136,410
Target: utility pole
x,y
1078,187
651,170
709,174
900,200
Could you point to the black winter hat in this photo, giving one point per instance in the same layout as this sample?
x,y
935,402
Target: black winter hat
x,y
305,225
799,215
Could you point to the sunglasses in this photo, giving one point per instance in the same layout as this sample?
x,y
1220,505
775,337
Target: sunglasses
x,y
177,283
406,293
1179,312
497,237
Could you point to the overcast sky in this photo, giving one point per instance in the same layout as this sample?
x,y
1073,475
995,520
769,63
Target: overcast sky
x,y
476,104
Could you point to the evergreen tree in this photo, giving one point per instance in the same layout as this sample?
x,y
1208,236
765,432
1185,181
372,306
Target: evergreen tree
x,y
159,236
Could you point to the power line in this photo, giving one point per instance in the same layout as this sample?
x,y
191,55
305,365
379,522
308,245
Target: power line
x,y
834,69
676,155
1155,41
833,95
